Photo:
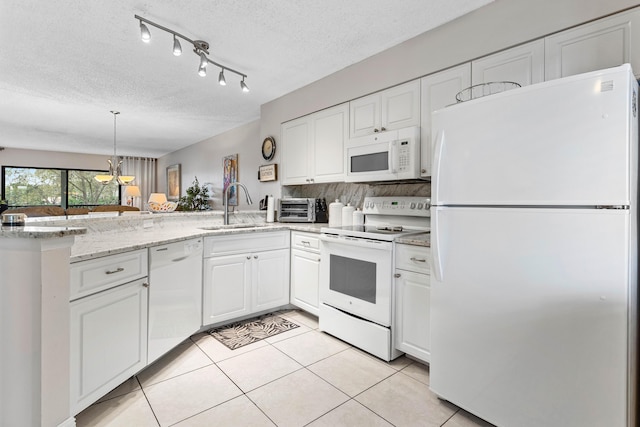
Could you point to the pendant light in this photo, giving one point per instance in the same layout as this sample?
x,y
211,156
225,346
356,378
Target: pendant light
x,y
115,165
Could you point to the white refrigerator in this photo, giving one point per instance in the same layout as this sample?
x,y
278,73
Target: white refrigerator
x,y
534,253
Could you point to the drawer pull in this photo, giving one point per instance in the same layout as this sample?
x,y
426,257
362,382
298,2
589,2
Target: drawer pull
x,y
146,285
414,259
397,275
305,243
117,270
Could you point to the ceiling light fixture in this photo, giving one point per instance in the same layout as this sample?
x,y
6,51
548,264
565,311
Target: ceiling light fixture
x,y
200,48
177,49
115,165
144,33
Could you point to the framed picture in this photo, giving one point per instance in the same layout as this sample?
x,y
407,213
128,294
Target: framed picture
x,y
268,173
173,182
230,175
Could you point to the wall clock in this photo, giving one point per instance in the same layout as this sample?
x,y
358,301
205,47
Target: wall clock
x,y
268,148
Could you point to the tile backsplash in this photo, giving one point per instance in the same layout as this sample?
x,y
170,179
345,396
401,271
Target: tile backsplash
x,y
355,193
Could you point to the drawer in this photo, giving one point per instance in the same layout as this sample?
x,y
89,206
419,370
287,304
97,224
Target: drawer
x,y
89,277
245,242
413,258
305,241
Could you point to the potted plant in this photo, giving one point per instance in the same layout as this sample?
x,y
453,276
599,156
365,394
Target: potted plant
x,y
197,198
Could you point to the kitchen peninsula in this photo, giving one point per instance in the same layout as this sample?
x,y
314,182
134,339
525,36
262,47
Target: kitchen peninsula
x,y
35,263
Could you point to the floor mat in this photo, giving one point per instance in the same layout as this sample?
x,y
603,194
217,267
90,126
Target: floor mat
x,y
248,331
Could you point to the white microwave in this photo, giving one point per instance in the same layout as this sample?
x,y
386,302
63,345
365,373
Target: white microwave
x,y
384,156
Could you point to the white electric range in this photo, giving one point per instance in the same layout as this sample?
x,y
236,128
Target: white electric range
x,y
356,272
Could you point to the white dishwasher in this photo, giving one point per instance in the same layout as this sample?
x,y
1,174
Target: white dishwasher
x,y
175,294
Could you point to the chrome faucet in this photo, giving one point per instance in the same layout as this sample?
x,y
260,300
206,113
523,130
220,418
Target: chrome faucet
x,y
226,199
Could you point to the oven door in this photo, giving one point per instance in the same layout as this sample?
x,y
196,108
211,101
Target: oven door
x,y
356,276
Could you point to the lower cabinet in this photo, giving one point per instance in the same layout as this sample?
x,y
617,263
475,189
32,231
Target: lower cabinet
x,y
239,279
305,271
413,300
108,341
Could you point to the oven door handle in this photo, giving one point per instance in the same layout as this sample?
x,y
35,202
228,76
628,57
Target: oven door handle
x,y
361,243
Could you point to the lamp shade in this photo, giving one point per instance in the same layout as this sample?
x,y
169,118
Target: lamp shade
x,y
159,198
132,191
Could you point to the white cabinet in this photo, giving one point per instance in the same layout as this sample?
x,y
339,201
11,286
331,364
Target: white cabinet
x,y
296,151
244,274
227,288
108,341
522,64
393,108
604,43
413,300
108,324
313,147
305,271
437,91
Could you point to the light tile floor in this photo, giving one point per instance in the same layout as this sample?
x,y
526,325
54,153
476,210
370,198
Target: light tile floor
x,y
302,377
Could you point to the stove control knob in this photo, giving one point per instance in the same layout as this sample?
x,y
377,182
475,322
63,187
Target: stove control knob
x,y
413,205
420,205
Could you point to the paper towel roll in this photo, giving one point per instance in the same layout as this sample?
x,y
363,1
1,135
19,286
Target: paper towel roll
x,y
271,206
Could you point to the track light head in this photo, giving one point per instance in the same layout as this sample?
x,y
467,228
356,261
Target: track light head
x,y
203,60
177,49
144,33
221,79
202,70
244,86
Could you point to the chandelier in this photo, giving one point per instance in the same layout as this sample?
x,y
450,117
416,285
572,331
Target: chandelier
x,y
115,165
200,48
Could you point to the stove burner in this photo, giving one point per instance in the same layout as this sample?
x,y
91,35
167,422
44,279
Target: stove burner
x,y
396,228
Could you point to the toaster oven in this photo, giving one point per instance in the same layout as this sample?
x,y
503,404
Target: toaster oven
x,y
302,210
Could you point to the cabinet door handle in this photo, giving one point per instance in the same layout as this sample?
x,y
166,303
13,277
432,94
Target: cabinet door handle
x,y
319,259
414,259
117,270
146,285
255,257
397,275
382,129
248,256
376,130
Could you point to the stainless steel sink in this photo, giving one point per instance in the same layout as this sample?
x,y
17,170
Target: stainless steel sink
x,y
233,227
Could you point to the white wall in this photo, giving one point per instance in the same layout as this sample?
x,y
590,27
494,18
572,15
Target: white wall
x,y
204,160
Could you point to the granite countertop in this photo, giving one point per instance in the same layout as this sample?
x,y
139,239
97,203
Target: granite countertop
x,y
418,239
102,244
32,232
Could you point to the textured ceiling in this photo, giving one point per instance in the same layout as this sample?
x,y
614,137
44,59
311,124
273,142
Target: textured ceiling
x,y
65,64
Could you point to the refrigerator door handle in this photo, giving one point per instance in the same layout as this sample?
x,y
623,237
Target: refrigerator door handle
x,y
437,159
435,245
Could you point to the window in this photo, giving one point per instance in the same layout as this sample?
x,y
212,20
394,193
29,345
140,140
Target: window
x,y
56,187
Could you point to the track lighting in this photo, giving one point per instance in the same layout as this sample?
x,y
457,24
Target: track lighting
x,y
177,49
200,48
144,33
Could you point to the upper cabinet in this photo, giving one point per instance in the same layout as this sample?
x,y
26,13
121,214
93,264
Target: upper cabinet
x,y
313,147
393,108
438,91
604,43
522,64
